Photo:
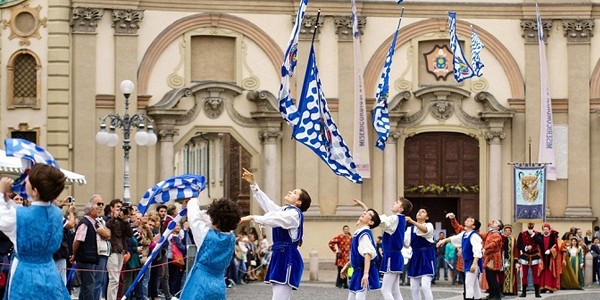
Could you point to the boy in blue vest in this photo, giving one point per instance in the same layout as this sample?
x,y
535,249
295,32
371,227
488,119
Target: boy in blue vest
x,y
472,246
286,266
392,264
363,252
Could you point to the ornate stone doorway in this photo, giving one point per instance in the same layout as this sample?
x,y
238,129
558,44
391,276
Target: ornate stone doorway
x,y
441,171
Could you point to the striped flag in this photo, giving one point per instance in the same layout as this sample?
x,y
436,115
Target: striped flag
x,y
317,130
381,120
177,187
287,108
462,69
155,251
361,132
546,151
30,154
476,47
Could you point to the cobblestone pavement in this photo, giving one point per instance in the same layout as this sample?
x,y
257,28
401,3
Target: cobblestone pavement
x,y
327,291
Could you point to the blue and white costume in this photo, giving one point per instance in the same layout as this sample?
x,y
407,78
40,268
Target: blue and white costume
x,y
215,249
421,265
286,265
422,262
36,233
472,247
393,242
363,244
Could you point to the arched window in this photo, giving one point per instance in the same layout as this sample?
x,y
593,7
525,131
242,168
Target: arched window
x,y
24,84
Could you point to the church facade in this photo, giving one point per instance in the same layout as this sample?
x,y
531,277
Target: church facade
x,y
208,74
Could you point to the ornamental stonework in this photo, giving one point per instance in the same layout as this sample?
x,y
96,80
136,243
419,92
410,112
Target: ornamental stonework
x,y
85,19
578,31
307,29
343,27
530,28
25,23
126,21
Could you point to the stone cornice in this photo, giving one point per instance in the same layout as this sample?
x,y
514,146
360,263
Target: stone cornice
x,y
414,9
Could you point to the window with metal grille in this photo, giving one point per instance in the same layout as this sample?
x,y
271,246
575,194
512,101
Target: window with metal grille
x,y
25,80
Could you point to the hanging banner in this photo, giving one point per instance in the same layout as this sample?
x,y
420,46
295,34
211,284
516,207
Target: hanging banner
x,y
530,192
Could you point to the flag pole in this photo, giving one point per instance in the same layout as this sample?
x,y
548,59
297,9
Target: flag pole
x,y
400,20
316,26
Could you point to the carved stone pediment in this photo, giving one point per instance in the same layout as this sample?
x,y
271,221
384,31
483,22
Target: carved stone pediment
x,y
214,98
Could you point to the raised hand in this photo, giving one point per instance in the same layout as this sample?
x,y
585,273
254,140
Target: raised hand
x,y
248,176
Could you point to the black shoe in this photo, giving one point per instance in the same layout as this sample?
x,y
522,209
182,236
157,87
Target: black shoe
x,y
524,291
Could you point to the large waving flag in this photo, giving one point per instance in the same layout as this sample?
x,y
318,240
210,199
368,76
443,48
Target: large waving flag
x,y
177,187
476,47
316,128
30,155
546,151
155,251
462,69
287,108
381,119
361,132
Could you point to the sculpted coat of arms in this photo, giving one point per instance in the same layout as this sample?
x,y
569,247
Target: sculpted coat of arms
x,y
439,62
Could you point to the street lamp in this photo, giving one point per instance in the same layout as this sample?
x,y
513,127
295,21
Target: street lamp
x,y
144,136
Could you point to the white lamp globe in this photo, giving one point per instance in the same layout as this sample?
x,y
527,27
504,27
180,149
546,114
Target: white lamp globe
x,y
113,140
141,137
102,135
127,87
152,138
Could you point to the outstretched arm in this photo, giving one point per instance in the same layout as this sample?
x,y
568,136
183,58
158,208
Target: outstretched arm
x,y
198,220
263,200
8,214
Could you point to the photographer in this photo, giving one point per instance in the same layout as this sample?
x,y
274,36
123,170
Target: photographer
x,y
120,233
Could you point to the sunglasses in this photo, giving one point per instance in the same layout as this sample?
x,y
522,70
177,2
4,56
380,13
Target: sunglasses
x,y
100,204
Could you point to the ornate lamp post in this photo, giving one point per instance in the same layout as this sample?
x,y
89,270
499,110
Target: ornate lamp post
x,y
144,136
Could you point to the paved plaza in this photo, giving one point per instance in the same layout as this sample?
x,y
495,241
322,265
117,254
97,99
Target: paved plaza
x,y
324,289
327,291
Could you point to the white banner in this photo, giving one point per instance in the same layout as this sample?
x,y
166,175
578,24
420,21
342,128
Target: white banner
x,y
361,133
546,151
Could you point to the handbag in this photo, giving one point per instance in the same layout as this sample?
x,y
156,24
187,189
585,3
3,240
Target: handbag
x,y
177,255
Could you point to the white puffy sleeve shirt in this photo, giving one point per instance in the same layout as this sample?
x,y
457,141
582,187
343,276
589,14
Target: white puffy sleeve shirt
x,y
275,215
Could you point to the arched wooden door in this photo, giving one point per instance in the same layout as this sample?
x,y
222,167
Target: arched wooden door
x,y
442,159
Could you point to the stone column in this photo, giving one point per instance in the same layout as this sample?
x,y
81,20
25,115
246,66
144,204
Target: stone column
x,y
390,171
578,34
125,24
270,160
532,81
83,29
494,205
166,144
347,189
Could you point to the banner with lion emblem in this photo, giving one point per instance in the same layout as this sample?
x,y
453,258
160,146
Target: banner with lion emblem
x,y
530,191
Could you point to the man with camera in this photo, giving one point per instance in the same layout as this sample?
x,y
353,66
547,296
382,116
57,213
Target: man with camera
x,y
120,233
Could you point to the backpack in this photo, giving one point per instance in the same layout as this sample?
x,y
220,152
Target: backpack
x,y
64,251
6,246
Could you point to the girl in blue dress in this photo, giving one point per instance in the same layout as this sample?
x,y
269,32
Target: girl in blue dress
x,y
215,242
36,233
421,265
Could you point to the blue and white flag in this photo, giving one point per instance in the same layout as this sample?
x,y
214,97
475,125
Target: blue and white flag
x,y
399,1
462,69
381,119
476,47
155,251
287,108
30,154
177,187
316,128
